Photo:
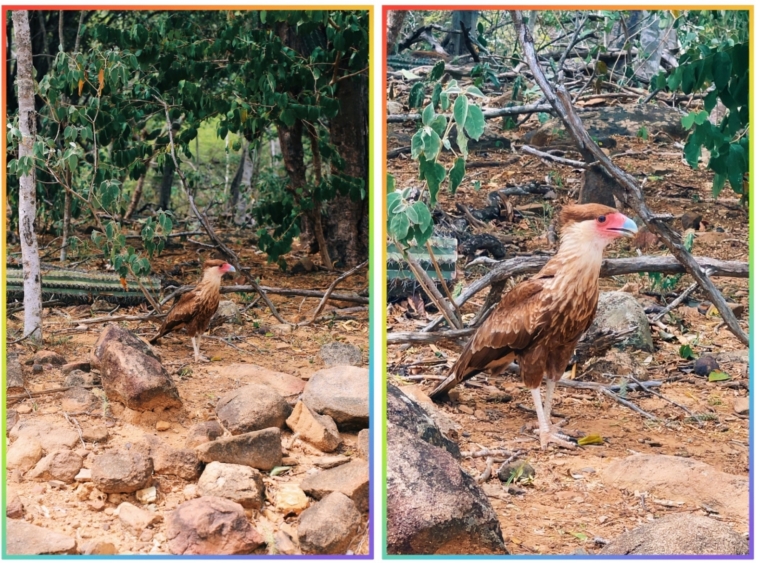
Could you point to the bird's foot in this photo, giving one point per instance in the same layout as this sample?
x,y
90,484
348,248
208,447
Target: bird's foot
x,y
201,359
556,438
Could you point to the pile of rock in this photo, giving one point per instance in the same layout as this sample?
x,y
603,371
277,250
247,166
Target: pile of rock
x,y
245,475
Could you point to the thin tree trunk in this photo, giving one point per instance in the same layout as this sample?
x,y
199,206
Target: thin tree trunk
x,y
27,206
165,193
395,23
316,214
237,180
67,194
250,169
135,201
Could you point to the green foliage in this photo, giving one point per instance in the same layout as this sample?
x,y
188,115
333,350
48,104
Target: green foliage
x,y
719,66
686,352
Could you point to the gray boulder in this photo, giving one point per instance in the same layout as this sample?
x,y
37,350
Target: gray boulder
x,y
342,392
617,311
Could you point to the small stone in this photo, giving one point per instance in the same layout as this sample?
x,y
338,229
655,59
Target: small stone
x,y
163,426
190,491
284,545
135,519
289,498
332,461
705,365
95,434
260,450
318,430
287,386
691,220
49,357
23,454
146,496
79,399
27,539
741,405
238,483
351,479
465,409
63,465
341,392
204,432
96,505
481,415
121,472
78,377
516,471
250,408
341,354
14,508
98,547
211,526
329,526
23,408
52,434
362,442
182,463
37,368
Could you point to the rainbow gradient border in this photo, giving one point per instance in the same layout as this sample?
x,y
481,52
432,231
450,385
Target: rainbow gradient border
x,y
373,474
383,382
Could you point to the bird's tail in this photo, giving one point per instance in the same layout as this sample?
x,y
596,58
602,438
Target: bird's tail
x,y
445,386
155,338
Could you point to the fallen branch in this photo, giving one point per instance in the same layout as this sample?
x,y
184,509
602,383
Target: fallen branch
x,y
30,394
333,285
486,475
497,452
118,318
677,301
625,403
559,159
335,296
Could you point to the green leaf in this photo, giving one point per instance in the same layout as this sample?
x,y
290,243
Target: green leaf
x,y
456,175
719,182
579,535
462,141
427,115
475,91
460,110
288,117
411,214
409,75
399,226
434,174
390,182
722,66
437,71
417,95
435,97
688,120
439,124
475,123
686,352
432,143
424,218
279,470
418,145
591,440
718,375
701,117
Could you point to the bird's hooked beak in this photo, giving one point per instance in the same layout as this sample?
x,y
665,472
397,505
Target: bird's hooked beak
x,y
231,268
627,229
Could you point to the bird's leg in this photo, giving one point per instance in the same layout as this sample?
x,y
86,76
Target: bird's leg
x,y
545,432
197,348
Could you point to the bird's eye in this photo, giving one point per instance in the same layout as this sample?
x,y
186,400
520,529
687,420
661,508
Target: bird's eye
x,y
601,218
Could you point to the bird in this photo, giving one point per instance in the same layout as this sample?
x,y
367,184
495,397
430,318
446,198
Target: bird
x,y
539,322
193,310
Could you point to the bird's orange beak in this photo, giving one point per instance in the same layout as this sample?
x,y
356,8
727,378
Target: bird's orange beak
x,y
621,225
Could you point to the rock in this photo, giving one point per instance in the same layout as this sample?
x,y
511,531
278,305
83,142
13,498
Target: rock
x,y
433,507
136,379
14,376
227,312
351,479
23,538
203,432
285,385
79,399
191,491
37,368
405,413
289,498
48,357
446,426
62,465
82,365
95,434
741,405
238,483
329,526
260,450
115,333
706,365
615,362
319,430
23,408
135,519
681,479
14,508
182,463
98,547
210,526
23,454
362,442
51,434
340,354
691,220
516,471
331,461
394,107
78,377
146,496
250,408
341,392
84,476
679,534
163,425
284,545
617,311
121,472
11,418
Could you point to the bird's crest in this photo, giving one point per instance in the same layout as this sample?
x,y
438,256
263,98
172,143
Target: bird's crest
x,y
213,264
585,212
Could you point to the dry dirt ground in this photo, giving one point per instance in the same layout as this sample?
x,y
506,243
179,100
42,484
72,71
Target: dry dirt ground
x,y
566,505
261,341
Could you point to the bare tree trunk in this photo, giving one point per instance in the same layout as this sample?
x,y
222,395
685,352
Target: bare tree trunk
x,y
67,194
316,214
27,206
395,23
135,201
250,167
165,193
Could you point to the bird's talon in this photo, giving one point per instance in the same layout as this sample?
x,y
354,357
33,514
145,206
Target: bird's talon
x,y
555,438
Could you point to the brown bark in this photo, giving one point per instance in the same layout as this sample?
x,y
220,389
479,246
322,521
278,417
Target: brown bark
x,y
394,24
137,194
165,191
